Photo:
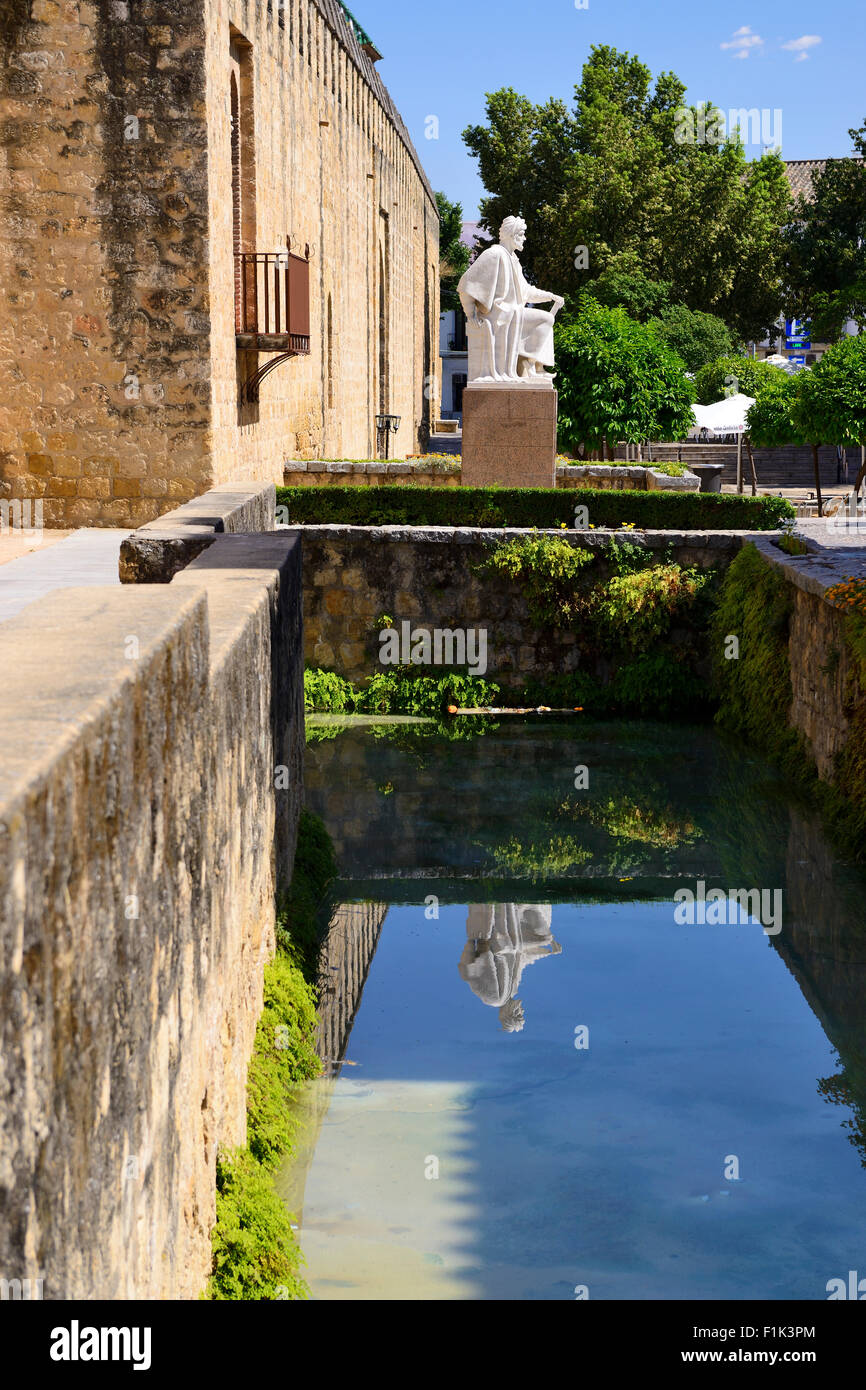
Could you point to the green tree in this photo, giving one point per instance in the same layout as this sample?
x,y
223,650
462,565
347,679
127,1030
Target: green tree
x,y
611,188
453,255
617,382
830,405
771,419
730,376
698,338
641,298
825,247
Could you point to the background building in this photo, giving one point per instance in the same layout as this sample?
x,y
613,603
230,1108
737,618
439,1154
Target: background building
x,y
453,347
159,162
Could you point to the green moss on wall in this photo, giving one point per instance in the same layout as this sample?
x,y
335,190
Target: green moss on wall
x,y
755,694
255,1251
749,641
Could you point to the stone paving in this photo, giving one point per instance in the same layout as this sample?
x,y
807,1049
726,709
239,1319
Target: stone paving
x,y
63,560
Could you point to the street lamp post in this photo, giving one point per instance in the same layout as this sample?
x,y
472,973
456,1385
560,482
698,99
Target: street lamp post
x,y
387,424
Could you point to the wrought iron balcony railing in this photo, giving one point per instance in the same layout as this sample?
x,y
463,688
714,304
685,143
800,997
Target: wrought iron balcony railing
x,y
272,309
272,301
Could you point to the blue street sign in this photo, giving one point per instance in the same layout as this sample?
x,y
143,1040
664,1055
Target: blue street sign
x,y
798,333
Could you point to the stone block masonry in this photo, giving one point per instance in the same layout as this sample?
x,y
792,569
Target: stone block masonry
x,y
119,369
431,576
142,843
509,436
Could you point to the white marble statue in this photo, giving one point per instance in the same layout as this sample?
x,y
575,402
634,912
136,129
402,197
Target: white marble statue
x,y
508,342
502,939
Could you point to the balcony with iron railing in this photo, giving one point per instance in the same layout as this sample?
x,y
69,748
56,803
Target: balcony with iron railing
x,y
272,308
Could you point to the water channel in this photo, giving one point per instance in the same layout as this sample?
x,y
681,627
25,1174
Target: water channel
x,y
545,1077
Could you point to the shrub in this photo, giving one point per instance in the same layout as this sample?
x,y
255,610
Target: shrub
x,y
698,338
617,380
255,1250
327,692
405,690
530,508
755,605
547,568
636,610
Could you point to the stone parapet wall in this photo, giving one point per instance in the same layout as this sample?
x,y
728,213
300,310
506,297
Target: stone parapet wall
x,y
155,553
354,473
430,576
347,473
141,847
821,665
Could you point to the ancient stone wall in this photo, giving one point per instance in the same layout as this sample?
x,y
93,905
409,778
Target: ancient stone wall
x,y
821,665
119,375
334,170
104,389
141,846
430,576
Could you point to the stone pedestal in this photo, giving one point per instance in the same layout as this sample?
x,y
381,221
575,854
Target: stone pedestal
x,y
509,436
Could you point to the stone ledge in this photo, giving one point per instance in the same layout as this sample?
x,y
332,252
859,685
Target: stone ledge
x,y
816,572
470,535
638,477
158,550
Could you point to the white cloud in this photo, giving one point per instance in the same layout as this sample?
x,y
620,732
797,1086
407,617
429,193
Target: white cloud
x,y
802,45
743,42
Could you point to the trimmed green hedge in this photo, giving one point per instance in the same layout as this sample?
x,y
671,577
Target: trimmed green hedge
x,y
530,507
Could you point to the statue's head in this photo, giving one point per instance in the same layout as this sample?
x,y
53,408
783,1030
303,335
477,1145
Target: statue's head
x,y
512,233
511,1015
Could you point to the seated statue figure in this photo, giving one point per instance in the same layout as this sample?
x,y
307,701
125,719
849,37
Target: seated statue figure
x,y
507,340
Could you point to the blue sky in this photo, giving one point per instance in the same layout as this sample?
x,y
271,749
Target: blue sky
x,y
440,59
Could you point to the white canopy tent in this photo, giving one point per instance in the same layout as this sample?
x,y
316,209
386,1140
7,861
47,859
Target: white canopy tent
x,y
727,416
785,363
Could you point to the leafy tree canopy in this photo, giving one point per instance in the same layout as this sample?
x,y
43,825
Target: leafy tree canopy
x,y
830,403
641,298
617,381
453,255
729,376
825,247
608,187
698,338
770,420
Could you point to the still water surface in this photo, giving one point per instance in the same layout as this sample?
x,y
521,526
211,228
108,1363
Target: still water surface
x,y
552,1085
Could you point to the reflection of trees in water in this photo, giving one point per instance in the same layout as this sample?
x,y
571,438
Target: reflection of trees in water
x,y
662,800
501,940
848,1088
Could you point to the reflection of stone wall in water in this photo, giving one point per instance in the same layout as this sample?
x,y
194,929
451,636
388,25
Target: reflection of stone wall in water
x,y
421,811
347,953
823,943
346,956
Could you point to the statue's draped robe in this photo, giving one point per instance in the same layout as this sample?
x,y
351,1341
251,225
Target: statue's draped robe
x,y
502,939
509,330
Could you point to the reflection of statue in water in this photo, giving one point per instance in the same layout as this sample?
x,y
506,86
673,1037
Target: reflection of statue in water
x,y
502,939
